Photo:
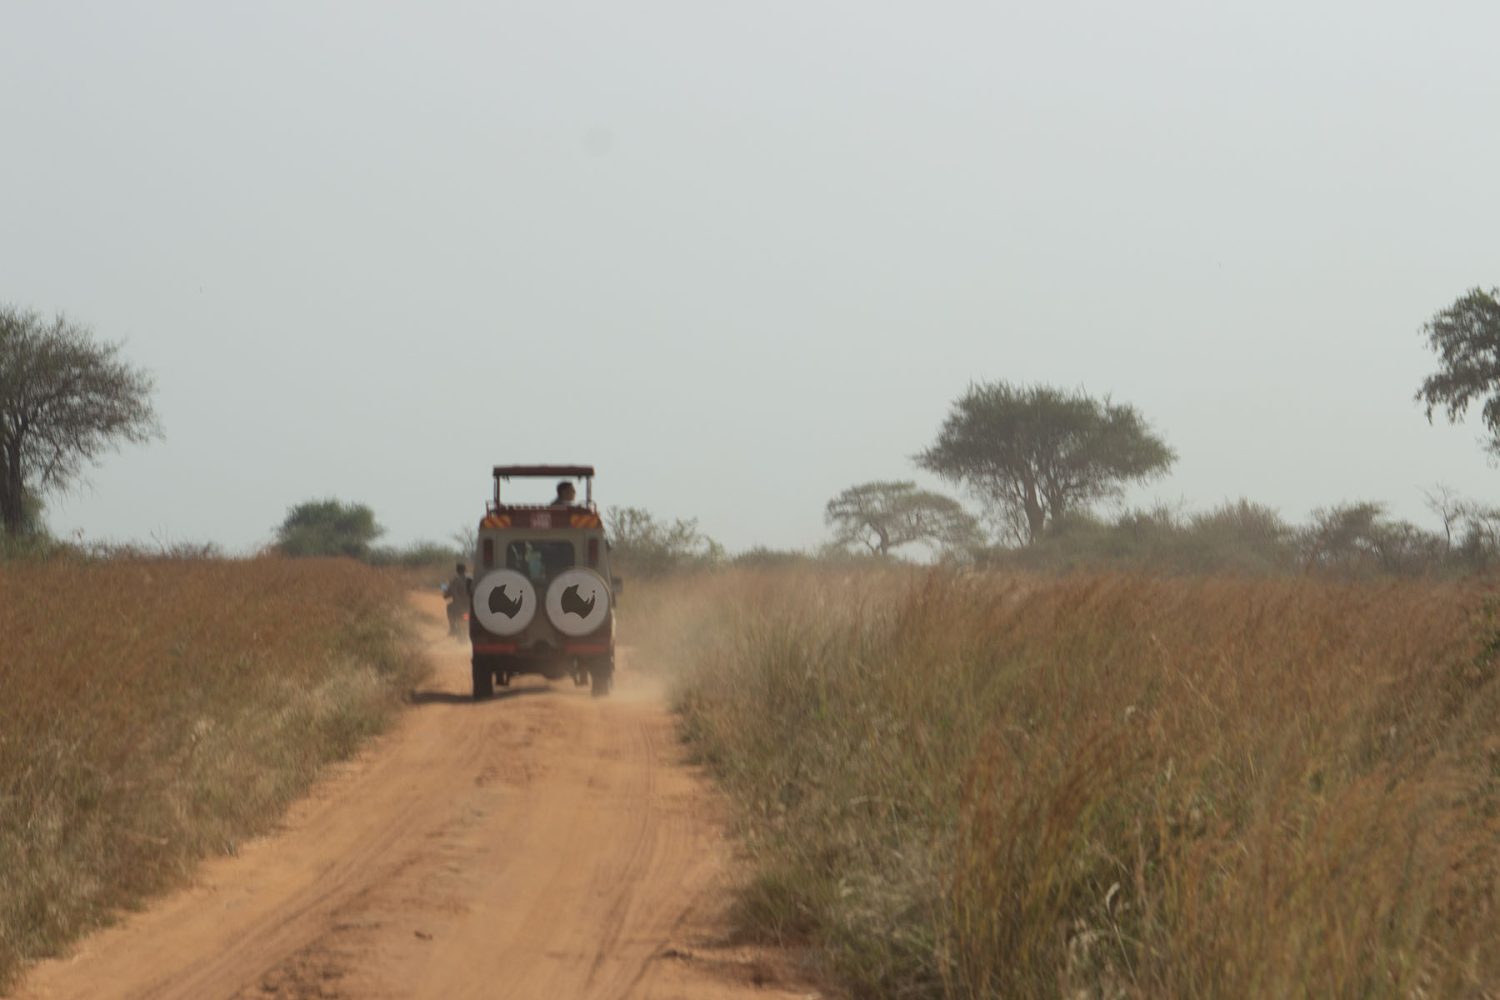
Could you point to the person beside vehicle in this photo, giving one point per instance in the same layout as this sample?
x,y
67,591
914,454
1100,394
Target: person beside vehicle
x,y
458,590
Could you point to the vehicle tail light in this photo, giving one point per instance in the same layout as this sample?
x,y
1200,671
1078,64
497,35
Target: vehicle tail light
x,y
489,553
593,551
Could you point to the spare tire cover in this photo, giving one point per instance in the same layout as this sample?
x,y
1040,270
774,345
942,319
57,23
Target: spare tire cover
x,y
577,602
504,602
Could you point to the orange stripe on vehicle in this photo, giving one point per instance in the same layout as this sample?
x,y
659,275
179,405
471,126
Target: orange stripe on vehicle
x,y
585,520
496,521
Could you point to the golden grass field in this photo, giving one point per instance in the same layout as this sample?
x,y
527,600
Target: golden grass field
x,y
1102,786
946,785
156,711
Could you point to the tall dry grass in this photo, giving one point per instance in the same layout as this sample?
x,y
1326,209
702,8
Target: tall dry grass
x,y
979,786
155,711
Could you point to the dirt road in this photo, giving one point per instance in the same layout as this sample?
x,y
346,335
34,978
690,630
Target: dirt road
x,y
541,845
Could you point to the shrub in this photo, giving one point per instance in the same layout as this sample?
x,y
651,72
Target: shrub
x,y
435,556
328,528
643,545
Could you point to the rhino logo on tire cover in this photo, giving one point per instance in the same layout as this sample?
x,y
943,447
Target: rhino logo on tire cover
x,y
577,602
502,604
572,604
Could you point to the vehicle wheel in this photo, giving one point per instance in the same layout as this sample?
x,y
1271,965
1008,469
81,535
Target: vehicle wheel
x,y
604,679
484,682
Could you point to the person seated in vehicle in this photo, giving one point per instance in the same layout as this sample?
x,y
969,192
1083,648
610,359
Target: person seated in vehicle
x,y
566,494
526,559
458,592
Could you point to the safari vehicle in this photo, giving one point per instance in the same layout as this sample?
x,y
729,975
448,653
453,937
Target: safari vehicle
x,y
543,600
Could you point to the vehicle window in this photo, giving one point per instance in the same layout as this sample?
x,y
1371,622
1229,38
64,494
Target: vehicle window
x,y
539,560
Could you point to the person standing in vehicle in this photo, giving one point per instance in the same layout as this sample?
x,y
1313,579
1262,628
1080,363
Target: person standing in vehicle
x,y
458,590
566,494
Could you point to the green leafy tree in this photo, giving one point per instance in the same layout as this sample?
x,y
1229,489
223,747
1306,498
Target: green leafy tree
x,y
328,528
1034,454
65,399
642,544
1466,338
884,516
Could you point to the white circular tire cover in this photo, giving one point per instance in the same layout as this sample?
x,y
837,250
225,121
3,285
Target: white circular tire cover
x,y
577,602
504,602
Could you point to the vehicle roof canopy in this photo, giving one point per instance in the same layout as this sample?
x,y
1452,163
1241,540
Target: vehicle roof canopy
x,y
544,471
584,472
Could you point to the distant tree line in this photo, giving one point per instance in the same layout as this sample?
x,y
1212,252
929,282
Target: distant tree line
x,y
1242,537
1037,461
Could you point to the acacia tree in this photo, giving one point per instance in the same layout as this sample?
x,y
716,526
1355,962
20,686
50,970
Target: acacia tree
x,y
883,516
1034,453
65,399
1466,339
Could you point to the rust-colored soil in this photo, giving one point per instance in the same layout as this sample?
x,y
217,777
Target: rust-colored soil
x,y
540,845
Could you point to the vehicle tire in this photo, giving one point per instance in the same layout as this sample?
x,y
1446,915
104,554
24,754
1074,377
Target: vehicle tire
x,y
484,681
603,677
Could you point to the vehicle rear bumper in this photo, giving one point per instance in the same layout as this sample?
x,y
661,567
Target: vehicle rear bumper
x,y
567,649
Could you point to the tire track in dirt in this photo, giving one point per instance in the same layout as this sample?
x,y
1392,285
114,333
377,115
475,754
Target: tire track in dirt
x,y
543,844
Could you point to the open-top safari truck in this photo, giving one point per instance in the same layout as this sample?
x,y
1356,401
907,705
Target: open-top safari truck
x,y
543,600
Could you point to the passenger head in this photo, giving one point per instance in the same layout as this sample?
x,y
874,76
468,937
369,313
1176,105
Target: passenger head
x,y
566,492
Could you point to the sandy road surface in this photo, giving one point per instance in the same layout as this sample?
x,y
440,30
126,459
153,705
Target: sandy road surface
x,y
540,845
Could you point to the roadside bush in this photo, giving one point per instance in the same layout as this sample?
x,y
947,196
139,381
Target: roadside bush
x,y
28,547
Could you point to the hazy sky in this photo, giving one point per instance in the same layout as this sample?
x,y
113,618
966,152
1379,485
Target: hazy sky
x,y
741,256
